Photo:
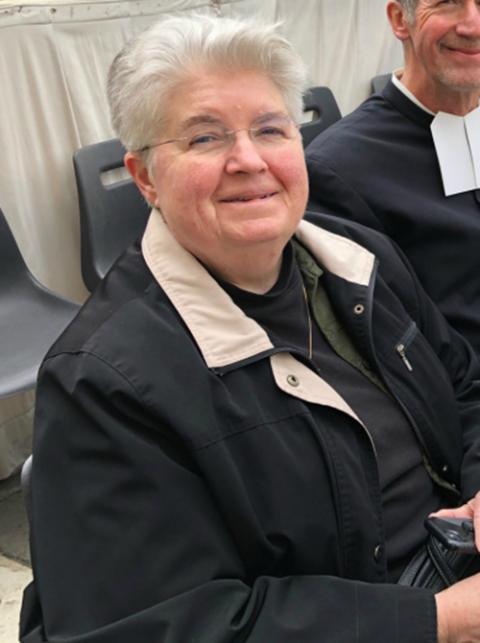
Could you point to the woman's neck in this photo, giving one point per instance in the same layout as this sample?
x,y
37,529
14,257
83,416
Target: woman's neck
x,y
255,271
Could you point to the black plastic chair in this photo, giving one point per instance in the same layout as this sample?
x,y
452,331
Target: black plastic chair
x,y
31,318
379,82
111,216
320,101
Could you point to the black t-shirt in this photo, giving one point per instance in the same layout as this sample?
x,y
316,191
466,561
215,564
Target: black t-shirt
x,y
407,491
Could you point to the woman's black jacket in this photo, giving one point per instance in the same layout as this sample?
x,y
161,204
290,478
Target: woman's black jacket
x,y
191,483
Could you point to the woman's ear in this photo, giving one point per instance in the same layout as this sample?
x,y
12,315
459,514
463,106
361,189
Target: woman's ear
x,y
140,174
398,20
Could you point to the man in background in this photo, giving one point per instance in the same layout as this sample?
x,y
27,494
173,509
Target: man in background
x,y
407,161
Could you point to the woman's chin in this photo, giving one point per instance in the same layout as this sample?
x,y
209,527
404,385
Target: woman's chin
x,y
258,231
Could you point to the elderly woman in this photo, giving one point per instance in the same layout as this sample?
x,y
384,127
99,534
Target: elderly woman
x,y
240,435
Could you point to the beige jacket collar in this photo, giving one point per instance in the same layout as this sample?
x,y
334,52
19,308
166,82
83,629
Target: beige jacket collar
x,y
224,334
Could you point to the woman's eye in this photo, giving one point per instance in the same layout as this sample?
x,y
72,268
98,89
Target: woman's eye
x,y
205,139
270,132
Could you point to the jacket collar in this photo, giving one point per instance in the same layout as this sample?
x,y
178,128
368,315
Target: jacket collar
x,y
406,106
224,334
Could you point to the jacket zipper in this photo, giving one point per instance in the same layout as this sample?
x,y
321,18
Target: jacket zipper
x,y
404,343
333,476
400,348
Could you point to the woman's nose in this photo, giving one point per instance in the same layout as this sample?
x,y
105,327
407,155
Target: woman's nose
x,y
244,155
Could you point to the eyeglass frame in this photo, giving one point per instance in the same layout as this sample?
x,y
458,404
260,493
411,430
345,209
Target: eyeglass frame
x,y
228,133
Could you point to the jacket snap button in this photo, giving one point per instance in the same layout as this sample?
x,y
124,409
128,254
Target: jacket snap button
x,y
445,468
377,553
359,309
293,380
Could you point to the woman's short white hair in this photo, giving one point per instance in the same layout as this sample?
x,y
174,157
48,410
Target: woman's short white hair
x,y
150,66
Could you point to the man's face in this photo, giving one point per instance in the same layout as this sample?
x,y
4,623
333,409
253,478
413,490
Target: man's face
x,y
443,46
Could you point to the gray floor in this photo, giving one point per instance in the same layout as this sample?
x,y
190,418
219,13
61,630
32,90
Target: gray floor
x,y
13,521
14,557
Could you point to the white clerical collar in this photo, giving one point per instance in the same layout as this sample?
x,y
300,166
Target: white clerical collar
x,y
457,144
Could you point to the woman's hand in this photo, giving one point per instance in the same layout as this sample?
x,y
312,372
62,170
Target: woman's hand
x,y
470,509
458,612
458,607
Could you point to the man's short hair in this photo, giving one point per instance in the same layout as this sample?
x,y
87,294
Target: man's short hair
x,y
409,6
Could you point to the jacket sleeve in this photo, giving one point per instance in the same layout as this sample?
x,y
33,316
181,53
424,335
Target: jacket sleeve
x,y
330,193
128,545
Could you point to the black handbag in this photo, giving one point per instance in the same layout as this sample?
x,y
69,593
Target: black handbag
x,y
435,567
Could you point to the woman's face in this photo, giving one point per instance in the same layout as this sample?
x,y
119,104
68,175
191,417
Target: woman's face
x,y
243,194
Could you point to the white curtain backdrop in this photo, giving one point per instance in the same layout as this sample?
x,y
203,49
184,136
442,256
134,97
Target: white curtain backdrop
x,y
54,57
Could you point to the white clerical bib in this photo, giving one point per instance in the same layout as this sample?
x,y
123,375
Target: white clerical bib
x,y
457,143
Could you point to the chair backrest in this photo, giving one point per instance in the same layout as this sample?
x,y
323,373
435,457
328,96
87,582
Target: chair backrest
x,y
320,101
379,82
111,216
11,260
31,318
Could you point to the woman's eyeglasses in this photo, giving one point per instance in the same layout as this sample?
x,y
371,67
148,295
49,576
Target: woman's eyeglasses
x,y
214,137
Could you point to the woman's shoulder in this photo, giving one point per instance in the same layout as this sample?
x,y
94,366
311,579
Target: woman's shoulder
x,y
120,318
393,266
